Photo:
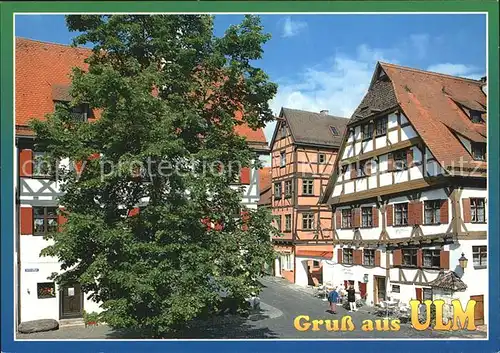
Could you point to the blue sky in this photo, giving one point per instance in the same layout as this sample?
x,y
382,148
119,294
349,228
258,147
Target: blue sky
x,y
326,61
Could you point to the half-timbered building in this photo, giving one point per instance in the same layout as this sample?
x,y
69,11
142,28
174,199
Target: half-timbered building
x,y
408,191
42,79
303,151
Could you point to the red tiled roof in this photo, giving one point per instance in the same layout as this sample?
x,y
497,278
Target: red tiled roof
x,y
264,178
42,68
39,67
429,100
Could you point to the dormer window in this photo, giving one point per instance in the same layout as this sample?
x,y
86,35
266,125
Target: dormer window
x,y
478,151
475,116
334,131
80,112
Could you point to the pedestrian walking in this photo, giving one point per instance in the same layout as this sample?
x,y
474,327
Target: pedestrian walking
x,y
333,297
351,298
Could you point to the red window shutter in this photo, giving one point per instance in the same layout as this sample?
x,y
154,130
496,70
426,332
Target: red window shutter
x,y
26,220
133,212
409,157
355,217
362,289
26,163
415,213
390,162
357,256
444,259
419,258
389,214
418,294
339,256
396,257
354,172
466,207
377,257
61,218
245,175
375,216
338,219
443,212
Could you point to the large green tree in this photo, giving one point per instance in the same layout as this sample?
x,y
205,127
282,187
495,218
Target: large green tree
x,y
165,91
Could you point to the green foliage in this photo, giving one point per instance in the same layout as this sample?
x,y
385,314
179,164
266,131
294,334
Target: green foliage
x,y
165,90
91,318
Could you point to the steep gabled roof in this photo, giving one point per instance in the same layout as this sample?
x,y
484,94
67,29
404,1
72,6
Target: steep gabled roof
x,y
42,75
434,104
429,101
311,128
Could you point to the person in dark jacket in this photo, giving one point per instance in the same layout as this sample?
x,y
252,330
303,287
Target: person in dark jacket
x,y
351,298
333,297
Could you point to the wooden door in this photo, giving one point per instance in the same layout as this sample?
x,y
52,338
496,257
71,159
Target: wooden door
x,y
362,289
71,301
478,309
379,289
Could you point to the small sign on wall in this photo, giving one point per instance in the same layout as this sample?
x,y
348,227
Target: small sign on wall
x,y
71,292
31,270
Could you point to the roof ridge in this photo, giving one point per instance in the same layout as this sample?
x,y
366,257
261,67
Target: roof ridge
x,y
407,68
69,46
317,113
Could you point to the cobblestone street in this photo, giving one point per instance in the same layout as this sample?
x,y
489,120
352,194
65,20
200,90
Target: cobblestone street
x,y
281,303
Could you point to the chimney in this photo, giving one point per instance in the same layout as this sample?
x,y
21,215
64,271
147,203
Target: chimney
x,y
324,112
483,79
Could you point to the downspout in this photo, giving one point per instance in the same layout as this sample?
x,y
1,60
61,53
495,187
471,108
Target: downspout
x,y
18,240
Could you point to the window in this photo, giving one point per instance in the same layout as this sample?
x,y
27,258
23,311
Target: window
x,y
432,211
478,151
395,289
80,112
45,290
282,159
286,262
366,217
400,161
322,158
480,256
334,131
288,222
367,131
381,126
44,220
283,131
409,257
369,257
364,168
475,116
278,223
41,166
307,221
427,294
347,256
308,187
315,264
401,214
346,218
277,190
288,188
431,258
477,214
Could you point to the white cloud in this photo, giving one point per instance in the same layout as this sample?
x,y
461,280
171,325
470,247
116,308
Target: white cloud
x,y
340,83
420,43
292,28
467,71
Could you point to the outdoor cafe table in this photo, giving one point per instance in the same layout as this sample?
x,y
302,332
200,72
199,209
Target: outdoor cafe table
x,y
389,304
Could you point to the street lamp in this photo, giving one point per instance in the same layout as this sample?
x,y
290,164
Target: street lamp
x,y
463,262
